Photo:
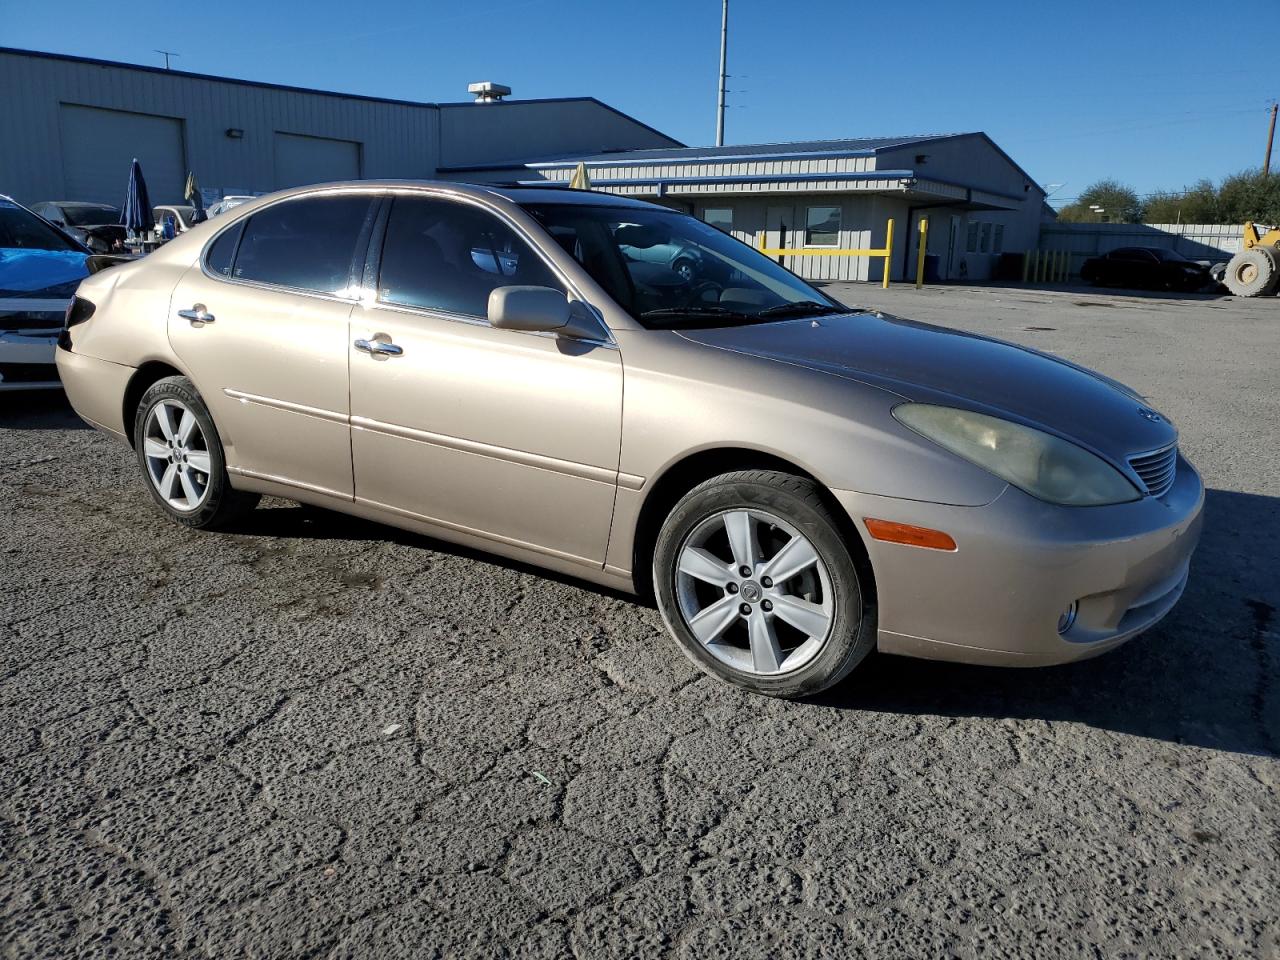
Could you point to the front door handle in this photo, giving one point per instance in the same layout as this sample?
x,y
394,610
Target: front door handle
x,y
197,314
379,348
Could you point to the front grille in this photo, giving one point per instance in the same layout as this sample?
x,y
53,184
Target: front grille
x,y
1157,469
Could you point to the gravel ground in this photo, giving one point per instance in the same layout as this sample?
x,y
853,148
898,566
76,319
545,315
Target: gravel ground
x,y
316,736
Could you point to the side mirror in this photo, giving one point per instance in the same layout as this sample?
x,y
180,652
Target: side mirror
x,y
541,310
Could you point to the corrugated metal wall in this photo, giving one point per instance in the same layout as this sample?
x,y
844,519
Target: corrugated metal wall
x,y
396,140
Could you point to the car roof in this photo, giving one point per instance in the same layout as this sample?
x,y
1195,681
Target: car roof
x,y
520,195
81,203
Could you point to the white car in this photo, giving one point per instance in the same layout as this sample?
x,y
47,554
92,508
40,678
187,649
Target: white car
x,y
40,268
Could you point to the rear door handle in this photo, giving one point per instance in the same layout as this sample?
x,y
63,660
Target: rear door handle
x,y
197,314
379,348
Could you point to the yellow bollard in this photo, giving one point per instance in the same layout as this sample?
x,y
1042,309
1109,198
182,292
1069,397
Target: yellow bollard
x,y
888,252
924,246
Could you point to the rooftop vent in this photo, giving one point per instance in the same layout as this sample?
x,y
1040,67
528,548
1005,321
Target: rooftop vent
x,y
488,91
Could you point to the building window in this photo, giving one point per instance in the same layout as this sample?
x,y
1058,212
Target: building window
x,y
971,238
986,238
822,227
719,217
997,239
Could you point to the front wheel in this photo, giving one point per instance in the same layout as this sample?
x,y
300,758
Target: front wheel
x,y
757,584
181,457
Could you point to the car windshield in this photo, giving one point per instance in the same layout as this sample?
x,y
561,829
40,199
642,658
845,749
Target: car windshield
x,y
88,215
670,270
1170,255
25,231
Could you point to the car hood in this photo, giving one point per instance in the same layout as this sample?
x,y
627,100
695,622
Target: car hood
x,y
929,364
40,274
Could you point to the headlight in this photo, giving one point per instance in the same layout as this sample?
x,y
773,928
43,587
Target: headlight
x,y
1043,465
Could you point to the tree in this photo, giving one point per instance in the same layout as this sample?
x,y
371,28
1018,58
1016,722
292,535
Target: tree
x,y
1250,196
1120,204
1196,204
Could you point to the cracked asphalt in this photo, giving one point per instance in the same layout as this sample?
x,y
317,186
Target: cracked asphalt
x,y
319,737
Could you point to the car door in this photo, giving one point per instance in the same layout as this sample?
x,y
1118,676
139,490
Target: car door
x,y
501,434
260,324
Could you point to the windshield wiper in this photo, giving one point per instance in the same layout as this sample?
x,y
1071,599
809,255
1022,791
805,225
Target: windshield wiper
x,y
696,313
800,308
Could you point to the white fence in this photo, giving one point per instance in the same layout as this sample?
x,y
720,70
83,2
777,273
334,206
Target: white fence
x,y
1208,242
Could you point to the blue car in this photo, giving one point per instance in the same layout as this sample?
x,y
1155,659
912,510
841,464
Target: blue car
x,y
40,268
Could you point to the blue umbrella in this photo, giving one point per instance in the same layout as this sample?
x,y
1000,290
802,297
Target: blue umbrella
x,y
136,215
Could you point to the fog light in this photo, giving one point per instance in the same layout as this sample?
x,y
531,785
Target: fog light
x,y
1067,618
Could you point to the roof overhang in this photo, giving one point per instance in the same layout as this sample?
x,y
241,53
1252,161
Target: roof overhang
x,y
900,183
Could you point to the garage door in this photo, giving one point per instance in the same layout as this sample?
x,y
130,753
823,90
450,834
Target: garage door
x,y
301,160
98,146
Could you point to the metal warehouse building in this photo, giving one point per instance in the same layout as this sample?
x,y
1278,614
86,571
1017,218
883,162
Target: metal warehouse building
x,y
73,124
829,194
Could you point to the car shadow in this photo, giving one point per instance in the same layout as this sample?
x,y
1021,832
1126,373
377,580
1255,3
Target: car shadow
x,y
1203,676
305,522
38,410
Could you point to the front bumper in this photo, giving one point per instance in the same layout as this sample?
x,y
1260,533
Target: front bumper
x,y
1019,563
26,360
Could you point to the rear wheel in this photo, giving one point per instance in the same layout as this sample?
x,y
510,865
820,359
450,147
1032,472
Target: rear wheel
x,y
758,586
1252,273
181,457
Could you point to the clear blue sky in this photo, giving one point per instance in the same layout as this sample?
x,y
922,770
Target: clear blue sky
x,y
1155,94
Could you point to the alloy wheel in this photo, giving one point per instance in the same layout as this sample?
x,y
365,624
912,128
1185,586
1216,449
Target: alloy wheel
x,y
755,592
177,455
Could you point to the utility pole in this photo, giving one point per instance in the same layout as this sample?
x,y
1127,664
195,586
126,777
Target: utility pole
x,y
167,55
724,50
1271,138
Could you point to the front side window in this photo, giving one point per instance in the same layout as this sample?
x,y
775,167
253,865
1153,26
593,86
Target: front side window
x,y
305,244
822,227
449,256
719,217
671,270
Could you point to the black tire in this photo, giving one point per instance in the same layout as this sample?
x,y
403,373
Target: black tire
x,y
799,503
1252,273
221,503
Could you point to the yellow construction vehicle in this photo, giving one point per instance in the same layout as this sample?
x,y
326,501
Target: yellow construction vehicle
x,y
1255,270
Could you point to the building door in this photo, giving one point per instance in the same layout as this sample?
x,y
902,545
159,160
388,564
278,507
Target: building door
x,y
953,247
780,229
98,146
501,434
301,160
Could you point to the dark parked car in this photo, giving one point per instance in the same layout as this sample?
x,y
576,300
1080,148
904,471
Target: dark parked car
x,y
97,225
1150,267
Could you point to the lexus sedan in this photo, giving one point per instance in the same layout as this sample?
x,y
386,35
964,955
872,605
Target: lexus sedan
x,y
797,482
1153,268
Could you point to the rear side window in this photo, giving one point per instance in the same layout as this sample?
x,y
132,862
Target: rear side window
x,y
448,256
306,244
223,251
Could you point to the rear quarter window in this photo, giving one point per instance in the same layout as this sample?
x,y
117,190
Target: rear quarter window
x,y
222,252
